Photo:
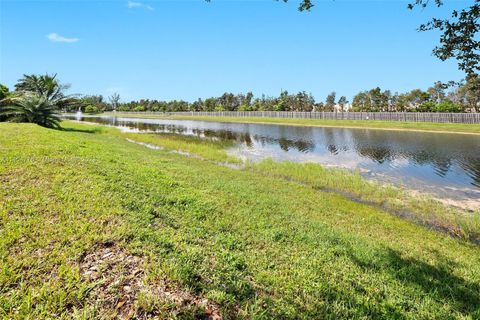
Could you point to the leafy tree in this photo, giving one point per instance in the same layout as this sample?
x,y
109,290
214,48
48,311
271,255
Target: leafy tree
x,y
447,106
303,101
33,108
319,106
92,109
437,91
416,98
372,100
470,93
95,101
428,106
3,91
342,102
330,102
114,100
379,100
401,102
459,38
361,102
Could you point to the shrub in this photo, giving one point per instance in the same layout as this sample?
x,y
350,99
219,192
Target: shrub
x,y
447,106
92,109
31,108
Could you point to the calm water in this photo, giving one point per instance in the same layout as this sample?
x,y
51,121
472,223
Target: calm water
x,y
447,165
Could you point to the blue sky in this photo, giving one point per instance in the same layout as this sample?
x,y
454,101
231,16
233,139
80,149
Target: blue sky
x,y
185,49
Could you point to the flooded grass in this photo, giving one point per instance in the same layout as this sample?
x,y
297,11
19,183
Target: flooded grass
x,y
205,148
240,243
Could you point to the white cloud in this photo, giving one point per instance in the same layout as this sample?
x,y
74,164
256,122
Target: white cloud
x,y
54,37
134,4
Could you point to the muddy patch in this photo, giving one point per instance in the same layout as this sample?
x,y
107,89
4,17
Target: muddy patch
x,y
118,289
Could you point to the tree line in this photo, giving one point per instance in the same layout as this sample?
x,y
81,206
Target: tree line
x,y
40,98
440,97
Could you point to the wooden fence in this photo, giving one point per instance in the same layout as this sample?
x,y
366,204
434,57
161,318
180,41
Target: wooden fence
x,y
383,116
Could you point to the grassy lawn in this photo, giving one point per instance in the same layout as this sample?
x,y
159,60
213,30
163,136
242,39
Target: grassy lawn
x,y
374,124
92,226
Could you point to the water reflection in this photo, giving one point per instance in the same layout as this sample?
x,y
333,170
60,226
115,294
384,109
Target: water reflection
x,y
441,163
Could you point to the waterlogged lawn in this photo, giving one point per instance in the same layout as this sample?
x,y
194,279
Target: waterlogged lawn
x,y
254,243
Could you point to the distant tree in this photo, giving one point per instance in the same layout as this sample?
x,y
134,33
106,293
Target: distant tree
x,y
244,101
416,98
92,109
197,105
378,99
469,93
210,104
96,101
437,91
447,106
401,102
342,102
302,101
3,91
361,102
330,102
114,100
372,101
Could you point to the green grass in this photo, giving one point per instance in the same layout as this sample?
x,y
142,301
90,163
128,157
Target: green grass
x,y
418,208
257,244
374,124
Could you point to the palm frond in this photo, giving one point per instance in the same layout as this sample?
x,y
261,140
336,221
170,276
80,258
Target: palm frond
x,y
31,108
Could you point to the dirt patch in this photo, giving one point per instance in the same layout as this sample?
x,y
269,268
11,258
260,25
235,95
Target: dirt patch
x,y
118,289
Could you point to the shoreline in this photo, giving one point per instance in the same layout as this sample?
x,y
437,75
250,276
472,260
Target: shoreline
x,y
304,123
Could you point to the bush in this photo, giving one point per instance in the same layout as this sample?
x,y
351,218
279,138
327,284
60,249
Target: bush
x,y
31,108
245,108
428,106
447,106
444,106
92,109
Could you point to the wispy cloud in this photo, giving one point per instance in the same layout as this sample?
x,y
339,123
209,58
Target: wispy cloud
x,y
134,4
55,37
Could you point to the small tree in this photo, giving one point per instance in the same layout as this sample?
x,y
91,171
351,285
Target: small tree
x,y
342,102
3,91
330,102
114,100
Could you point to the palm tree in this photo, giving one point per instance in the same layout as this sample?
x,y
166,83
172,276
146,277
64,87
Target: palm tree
x,y
31,107
47,86
37,99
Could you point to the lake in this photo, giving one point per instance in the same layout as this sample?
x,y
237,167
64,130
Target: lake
x,y
443,164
